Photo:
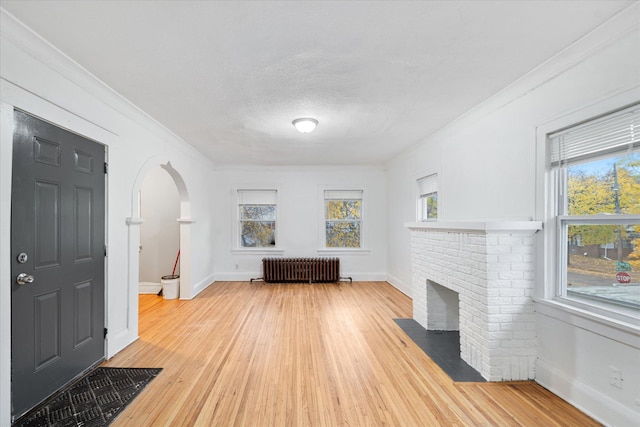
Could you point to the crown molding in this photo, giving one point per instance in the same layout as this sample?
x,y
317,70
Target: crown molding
x,y
15,32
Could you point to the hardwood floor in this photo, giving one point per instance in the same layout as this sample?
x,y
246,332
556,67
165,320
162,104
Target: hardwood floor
x,y
309,355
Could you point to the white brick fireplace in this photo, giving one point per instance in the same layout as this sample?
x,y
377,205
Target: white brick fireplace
x,y
488,269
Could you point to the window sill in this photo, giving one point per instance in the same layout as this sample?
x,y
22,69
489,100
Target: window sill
x,y
617,326
257,251
342,251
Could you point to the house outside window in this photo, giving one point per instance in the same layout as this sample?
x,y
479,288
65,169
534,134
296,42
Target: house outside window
x,y
257,217
595,181
343,218
427,206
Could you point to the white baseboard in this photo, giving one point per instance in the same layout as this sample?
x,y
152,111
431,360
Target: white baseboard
x,y
149,288
203,284
365,277
589,400
236,277
119,341
399,285
245,277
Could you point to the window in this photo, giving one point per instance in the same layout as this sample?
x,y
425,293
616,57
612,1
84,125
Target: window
x,y
257,218
343,218
595,169
427,209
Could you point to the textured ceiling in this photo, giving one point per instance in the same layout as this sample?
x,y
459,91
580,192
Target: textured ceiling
x,y
229,77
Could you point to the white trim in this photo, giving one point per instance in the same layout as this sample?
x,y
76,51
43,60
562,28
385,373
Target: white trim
x,y
344,251
626,332
6,156
258,251
364,219
589,400
201,286
236,248
237,277
149,288
547,268
623,23
399,285
22,37
121,340
477,226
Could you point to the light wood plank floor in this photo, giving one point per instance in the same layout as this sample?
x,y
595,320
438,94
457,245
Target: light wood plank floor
x,y
309,355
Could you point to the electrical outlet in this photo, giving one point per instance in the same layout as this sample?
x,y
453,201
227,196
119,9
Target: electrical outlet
x,y
615,377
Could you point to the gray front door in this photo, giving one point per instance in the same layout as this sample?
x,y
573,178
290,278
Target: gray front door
x,y
57,243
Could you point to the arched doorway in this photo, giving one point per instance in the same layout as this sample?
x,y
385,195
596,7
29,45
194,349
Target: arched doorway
x,y
159,233
134,222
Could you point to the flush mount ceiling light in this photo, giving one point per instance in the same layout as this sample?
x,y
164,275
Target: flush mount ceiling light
x,y
305,125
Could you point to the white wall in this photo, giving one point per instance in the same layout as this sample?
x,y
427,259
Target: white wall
x,y
299,213
160,232
37,78
486,162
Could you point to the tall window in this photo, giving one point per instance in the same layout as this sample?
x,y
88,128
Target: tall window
x,y
257,216
427,208
596,178
343,218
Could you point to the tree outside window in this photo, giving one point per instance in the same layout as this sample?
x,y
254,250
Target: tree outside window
x,y
257,217
343,216
597,168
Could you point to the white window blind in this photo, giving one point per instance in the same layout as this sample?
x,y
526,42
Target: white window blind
x,y
257,197
618,131
343,194
428,184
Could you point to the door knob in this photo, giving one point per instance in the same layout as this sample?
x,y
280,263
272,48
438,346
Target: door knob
x,y
24,278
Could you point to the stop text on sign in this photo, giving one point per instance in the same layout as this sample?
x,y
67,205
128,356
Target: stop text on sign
x,y
623,277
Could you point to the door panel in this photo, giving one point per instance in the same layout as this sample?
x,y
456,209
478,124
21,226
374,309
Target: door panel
x,y
57,220
83,310
47,224
47,329
82,218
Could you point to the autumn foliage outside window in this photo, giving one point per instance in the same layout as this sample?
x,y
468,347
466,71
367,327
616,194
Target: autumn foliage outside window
x,y
427,209
343,217
257,215
597,168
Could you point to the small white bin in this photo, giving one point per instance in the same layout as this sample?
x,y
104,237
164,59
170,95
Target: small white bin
x,y
170,286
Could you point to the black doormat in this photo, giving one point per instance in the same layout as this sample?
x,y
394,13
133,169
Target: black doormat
x,y
443,347
91,401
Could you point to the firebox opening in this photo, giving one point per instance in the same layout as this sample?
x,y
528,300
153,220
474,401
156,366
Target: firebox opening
x,y
443,308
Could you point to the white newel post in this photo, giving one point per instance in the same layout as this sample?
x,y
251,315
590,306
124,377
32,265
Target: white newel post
x,y
491,267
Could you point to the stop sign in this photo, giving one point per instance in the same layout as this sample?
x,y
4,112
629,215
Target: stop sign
x,y
623,277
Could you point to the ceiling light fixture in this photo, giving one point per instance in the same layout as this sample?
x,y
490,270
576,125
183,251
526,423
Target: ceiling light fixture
x,y
305,125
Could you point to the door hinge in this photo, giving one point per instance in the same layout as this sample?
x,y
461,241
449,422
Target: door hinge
x,y
106,167
105,332
105,250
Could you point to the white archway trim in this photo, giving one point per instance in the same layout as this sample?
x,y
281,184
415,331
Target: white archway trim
x,y
134,221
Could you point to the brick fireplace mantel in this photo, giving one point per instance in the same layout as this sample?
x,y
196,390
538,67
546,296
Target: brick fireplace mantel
x,y
490,265
477,226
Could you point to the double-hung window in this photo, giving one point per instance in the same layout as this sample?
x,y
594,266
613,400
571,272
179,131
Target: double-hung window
x,y
427,208
257,216
595,178
343,218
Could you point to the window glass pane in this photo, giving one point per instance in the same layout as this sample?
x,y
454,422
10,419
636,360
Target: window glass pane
x,y
608,185
604,263
257,234
342,209
429,206
258,212
343,234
